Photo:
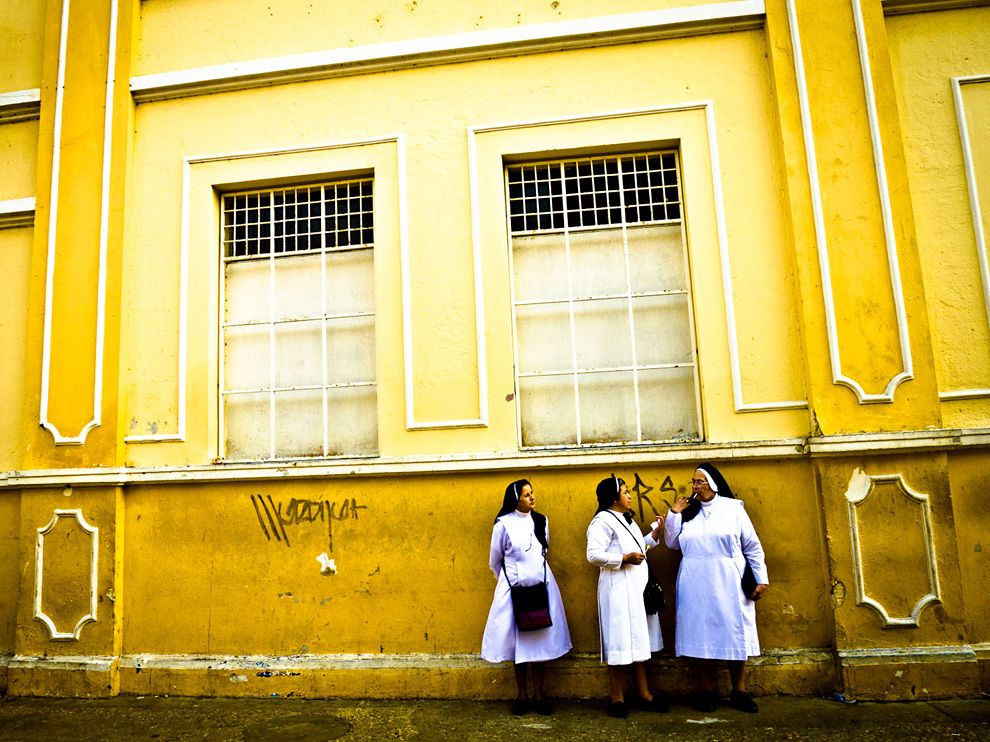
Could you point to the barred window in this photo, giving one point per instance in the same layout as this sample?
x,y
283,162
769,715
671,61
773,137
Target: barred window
x,y
605,349
299,322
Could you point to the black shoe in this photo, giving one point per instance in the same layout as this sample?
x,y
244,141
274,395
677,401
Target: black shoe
x,y
704,701
618,710
543,706
658,705
742,701
520,706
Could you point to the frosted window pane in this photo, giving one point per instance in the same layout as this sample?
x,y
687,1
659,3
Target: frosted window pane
x,y
299,423
598,264
608,407
656,258
246,291
663,330
350,282
247,426
246,363
667,404
351,350
353,421
544,338
602,332
297,286
298,348
540,267
547,407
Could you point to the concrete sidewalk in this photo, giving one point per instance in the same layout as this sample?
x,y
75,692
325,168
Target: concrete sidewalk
x,y
164,718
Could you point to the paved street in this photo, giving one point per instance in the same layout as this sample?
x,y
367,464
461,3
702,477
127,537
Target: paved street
x,y
287,719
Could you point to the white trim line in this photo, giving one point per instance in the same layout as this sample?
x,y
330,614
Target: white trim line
x,y
20,105
903,7
908,655
95,421
78,662
723,243
861,487
39,551
17,212
975,212
819,218
462,47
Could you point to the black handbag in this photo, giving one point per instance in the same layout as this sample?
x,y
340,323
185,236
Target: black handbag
x,y
531,603
748,582
653,599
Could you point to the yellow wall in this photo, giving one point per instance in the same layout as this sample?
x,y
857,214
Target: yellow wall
x,y
22,45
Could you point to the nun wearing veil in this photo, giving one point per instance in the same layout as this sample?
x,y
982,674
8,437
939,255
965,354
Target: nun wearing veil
x,y
629,635
716,619
520,539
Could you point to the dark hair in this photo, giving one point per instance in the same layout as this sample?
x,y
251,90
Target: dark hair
x,y
724,490
607,492
509,502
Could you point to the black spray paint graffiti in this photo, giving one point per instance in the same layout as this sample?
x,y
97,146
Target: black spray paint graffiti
x,y
642,489
301,511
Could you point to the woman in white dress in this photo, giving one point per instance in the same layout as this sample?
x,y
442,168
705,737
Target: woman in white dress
x,y
715,619
629,635
520,539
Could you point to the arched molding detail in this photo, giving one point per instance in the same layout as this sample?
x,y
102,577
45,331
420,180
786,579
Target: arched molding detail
x,y
861,487
39,614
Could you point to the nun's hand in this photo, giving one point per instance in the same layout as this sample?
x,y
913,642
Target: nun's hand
x,y
657,527
680,504
758,592
633,557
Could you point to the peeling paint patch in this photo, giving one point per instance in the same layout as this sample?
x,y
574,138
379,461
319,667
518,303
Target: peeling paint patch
x,y
235,678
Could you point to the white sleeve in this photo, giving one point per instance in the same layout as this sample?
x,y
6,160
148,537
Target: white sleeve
x,y
496,554
599,537
752,548
671,530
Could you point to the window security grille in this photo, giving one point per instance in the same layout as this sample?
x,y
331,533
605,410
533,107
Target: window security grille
x,y
602,317
299,322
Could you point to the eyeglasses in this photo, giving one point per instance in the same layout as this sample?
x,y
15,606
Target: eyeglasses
x,y
699,481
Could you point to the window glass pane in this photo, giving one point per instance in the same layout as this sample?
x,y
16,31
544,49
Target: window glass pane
x,y
544,337
598,264
299,423
656,258
246,362
350,282
351,350
608,407
297,286
663,332
298,350
547,407
353,420
540,266
247,425
246,291
667,404
601,329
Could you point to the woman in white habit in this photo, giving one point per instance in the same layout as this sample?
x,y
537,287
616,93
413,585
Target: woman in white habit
x,y
629,635
715,619
520,539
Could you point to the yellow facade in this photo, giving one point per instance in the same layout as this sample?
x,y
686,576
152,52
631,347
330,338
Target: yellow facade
x,y
833,161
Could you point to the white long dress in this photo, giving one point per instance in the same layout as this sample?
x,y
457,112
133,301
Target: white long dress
x,y
714,619
627,633
515,546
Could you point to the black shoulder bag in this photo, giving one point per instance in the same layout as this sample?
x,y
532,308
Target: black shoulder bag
x,y
531,603
653,599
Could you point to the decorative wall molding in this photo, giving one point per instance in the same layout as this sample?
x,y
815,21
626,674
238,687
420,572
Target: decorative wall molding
x,y
707,107
976,213
903,7
464,47
20,105
908,655
861,487
838,377
59,438
17,212
39,552
77,662
877,443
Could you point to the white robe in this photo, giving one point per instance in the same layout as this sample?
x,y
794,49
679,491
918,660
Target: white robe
x,y
515,546
627,633
714,619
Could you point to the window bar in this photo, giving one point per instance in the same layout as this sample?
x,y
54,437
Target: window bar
x,y
323,311
271,330
570,306
629,302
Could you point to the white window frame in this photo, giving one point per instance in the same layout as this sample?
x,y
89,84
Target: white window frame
x,y
628,295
